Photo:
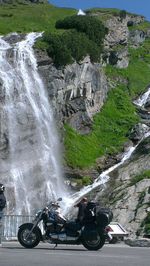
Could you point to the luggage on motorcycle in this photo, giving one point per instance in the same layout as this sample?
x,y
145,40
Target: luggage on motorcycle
x,y
90,212
89,233
103,216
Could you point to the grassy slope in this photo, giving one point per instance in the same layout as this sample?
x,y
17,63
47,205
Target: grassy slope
x,y
112,124
110,127
33,17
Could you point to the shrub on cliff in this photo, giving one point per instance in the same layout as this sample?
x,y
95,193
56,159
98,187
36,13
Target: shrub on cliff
x,y
91,26
123,14
69,46
57,49
79,46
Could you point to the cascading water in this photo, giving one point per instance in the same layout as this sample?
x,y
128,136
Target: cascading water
x,y
104,177
142,99
31,168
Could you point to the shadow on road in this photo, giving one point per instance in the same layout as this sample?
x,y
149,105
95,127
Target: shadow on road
x,y
46,248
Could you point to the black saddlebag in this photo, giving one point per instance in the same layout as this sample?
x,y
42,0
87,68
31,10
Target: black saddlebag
x,y
103,217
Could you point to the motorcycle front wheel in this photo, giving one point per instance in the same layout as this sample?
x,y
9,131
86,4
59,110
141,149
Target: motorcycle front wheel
x,y
27,239
94,244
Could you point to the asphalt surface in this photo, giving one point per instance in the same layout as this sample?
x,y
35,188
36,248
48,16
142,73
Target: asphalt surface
x,y
12,254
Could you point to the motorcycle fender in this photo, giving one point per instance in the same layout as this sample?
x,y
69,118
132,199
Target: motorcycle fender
x,y
30,225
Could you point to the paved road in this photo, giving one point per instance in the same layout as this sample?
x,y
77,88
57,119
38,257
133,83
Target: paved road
x,y
12,254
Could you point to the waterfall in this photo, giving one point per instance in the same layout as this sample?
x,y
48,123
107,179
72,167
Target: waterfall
x,y
142,99
104,176
31,170
29,145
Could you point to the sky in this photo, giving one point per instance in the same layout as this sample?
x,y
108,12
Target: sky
x,y
141,7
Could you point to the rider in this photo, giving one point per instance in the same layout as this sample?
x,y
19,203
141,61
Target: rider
x,y
81,209
2,200
2,206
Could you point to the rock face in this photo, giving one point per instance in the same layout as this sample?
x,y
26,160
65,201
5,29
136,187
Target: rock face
x,y
138,132
119,36
130,200
118,32
77,92
129,196
140,242
136,37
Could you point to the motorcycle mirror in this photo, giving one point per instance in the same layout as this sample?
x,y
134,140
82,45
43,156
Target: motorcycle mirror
x,y
59,199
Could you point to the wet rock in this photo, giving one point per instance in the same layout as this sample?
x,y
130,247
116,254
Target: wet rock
x,y
138,132
136,37
118,32
147,104
119,58
105,162
43,58
139,242
144,114
77,92
13,38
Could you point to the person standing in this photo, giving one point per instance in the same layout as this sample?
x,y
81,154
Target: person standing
x,y
2,206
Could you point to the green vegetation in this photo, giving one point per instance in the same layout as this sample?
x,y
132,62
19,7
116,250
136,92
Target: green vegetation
x,y
78,36
84,181
142,26
147,224
112,124
104,14
83,36
138,178
70,45
92,27
30,17
110,128
137,73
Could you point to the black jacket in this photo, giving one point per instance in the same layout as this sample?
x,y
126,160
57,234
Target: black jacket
x,y
81,211
2,201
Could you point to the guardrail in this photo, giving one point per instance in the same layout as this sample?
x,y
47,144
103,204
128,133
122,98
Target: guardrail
x,y
11,223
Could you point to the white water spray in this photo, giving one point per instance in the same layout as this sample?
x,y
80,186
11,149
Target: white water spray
x,y
104,177
142,99
32,167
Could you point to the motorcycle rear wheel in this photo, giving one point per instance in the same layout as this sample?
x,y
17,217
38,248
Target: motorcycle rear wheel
x,y
33,239
94,244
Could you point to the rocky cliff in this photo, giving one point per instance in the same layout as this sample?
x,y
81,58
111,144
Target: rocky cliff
x,y
130,199
78,92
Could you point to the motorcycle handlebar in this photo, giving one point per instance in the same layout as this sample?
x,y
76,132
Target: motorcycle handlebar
x,y
53,204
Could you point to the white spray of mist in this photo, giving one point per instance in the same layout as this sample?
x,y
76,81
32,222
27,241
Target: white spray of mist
x,y
33,165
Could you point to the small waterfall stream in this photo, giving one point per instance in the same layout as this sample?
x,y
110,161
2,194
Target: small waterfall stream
x,y
104,176
31,168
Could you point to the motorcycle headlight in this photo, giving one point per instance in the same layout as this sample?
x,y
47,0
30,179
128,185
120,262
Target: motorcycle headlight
x,y
37,214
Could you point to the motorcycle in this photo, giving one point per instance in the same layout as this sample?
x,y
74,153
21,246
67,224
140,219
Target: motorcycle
x,y
56,229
